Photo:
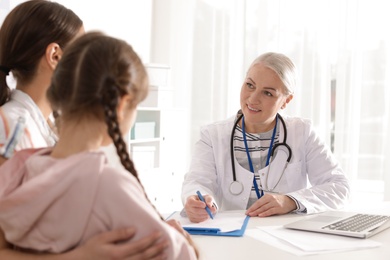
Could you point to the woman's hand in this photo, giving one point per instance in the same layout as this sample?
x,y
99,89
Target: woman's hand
x,y
100,247
271,204
196,209
103,246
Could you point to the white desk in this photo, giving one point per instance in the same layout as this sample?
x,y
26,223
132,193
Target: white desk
x,y
239,248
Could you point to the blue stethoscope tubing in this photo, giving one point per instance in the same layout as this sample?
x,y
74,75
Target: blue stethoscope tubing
x,y
237,187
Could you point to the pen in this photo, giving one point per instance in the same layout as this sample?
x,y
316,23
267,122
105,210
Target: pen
x,y
207,207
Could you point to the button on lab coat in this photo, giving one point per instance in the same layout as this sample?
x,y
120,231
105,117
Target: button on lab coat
x,y
313,176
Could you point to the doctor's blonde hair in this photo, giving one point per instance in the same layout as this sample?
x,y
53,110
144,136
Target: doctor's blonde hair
x,y
282,66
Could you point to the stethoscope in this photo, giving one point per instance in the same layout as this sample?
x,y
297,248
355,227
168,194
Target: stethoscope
x,y
236,187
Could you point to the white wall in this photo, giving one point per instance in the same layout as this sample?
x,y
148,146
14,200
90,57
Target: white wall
x,y
130,20
172,44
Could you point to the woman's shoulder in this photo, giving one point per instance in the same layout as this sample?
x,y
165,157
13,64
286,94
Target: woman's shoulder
x,y
17,100
10,112
13,110
20,105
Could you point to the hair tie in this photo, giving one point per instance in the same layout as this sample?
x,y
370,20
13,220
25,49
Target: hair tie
x,y
5,69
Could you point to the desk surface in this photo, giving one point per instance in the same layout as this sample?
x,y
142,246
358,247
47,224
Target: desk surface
x,y
237,248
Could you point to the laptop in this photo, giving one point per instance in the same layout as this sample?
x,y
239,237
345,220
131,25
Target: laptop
x,y
359,225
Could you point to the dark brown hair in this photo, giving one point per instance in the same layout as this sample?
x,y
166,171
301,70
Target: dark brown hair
x,y
26,32
93,73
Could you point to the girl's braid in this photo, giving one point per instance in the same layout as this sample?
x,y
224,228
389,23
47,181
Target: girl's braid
x,y
110,102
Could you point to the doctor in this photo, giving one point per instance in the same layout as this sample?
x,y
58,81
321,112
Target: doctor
x,y
261,161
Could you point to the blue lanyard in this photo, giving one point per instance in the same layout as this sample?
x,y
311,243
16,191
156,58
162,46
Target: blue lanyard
x,y
249,157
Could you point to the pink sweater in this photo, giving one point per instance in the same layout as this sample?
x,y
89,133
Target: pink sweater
x,y
53,205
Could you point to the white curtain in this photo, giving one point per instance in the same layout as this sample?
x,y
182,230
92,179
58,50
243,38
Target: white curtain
x,y
341,50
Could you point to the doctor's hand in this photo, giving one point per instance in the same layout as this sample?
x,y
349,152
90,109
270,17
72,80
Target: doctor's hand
x,y
196,209
271,204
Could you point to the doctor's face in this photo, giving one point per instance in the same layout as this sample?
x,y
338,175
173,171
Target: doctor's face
x,y
262,95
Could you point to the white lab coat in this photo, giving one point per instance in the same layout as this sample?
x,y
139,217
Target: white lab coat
x,y
313,176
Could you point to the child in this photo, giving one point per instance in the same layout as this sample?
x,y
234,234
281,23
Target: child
x,y
32,38
54,199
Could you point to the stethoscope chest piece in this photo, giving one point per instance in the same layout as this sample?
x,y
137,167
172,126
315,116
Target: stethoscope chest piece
x,y
236,188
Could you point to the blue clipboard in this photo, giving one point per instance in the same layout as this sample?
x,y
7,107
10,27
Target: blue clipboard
x,y
217,231
206,231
